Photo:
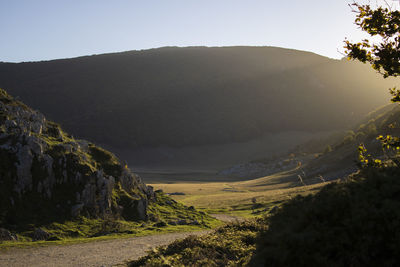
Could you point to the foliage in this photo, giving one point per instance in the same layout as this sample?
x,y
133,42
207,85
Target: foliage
x,y
106,160
166,211
230,245
349,223
384,56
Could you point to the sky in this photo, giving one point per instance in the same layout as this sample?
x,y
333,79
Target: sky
x,y
34,30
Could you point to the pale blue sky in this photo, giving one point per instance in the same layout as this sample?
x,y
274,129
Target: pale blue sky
x,y
33,30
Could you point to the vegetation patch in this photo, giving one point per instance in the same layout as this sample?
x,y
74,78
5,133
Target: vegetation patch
x,y
165,209
230,245
106,160
84,230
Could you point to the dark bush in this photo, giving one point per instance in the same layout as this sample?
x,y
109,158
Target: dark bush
x,y
350,223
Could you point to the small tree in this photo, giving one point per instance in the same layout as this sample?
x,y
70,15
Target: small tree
x,y
382,23
384,55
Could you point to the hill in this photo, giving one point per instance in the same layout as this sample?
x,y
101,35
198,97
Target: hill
x,y
47,177
196,96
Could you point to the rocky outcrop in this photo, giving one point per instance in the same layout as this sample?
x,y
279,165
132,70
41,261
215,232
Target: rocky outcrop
x,y
46,173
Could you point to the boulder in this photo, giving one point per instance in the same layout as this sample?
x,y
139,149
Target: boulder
x,y
6,235
182,222
142,209
160,224
40,234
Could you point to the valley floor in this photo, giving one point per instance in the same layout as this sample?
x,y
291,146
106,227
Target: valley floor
x,y
246,198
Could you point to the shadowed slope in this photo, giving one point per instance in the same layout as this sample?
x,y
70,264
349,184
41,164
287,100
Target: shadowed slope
x,y
197,95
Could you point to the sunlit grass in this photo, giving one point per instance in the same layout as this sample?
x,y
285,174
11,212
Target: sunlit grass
x,y
135,229
70,241
247,199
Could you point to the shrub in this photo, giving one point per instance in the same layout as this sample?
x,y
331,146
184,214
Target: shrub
x,y
350,223
230,245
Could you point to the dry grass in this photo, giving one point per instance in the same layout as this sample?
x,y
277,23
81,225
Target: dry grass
x,y
240,196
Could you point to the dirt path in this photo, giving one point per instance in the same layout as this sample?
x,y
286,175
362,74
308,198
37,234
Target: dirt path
x,y
100,253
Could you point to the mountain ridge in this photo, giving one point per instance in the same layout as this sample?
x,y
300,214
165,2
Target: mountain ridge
x,y
165,48
196,96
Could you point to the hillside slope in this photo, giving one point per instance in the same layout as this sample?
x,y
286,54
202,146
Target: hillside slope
x,y
330,157
47,176
340,157
196,95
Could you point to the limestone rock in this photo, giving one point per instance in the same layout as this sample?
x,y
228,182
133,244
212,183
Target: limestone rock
x,y
142,208
46,167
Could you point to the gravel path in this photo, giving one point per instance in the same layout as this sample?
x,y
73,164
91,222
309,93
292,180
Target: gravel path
x,y
97,253
100,253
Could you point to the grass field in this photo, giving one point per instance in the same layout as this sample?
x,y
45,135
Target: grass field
x,y
138,231
246,198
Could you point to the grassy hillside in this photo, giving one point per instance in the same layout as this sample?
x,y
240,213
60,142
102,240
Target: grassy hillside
x,y
351,222
197,95
53,186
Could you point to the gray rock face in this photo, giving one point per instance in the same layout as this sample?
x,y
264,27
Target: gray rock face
x,y
142,209
78,177
24,165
